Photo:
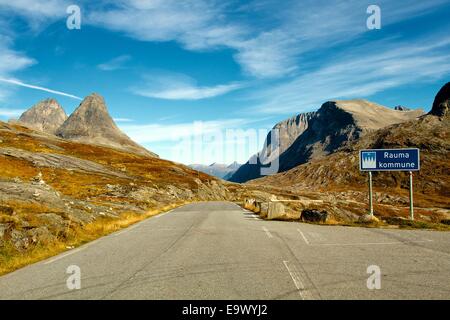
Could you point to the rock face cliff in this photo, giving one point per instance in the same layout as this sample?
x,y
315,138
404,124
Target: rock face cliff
x,y
323,132
46,116
441,105
286,132
91,123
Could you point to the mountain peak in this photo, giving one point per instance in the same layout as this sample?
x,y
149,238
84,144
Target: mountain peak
x,y
46,116
91,123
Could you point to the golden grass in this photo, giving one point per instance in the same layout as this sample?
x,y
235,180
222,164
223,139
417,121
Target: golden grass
x,y
11,259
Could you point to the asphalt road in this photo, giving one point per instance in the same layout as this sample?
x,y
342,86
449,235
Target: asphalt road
x,y
216,250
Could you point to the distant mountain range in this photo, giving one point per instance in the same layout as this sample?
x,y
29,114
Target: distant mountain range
x,y
219,170
89,123
314,135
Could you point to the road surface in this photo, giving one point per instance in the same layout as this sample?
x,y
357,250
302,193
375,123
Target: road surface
x,y
216,250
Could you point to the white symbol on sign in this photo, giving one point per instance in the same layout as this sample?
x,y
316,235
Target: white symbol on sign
x,y
369,160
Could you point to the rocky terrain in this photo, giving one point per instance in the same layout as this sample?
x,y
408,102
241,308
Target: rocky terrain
x,y
314,135
335,184
52,185
219,170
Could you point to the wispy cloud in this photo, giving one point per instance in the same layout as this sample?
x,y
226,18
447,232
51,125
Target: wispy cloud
x,y
115,63
26,85
172,86
267,48
268,39
123,120
10,62
10,113
360,72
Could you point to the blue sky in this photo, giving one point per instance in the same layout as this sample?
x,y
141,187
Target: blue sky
x,y
168,69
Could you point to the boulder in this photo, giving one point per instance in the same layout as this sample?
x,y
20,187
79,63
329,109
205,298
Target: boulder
x,y
264,209
314,215
367,218
275,211
249,204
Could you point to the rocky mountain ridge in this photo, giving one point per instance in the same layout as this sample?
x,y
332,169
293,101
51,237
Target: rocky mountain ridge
x,y
89,123
320,133
340,188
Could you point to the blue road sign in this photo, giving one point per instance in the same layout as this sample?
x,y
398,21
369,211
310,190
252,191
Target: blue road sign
x,y
389,160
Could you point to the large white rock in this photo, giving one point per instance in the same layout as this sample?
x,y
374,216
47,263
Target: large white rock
x,y
275,210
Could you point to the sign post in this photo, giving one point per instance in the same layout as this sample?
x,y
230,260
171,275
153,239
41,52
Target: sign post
x,y
370,194
390,160
411,205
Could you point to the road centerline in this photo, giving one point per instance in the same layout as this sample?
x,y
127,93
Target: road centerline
x,y
296,278
267,232
303,236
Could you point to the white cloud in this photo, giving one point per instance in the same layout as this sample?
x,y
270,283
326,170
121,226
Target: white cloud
x,y
222,141
26,85
36,9
171,86
115,63
155,132
10,113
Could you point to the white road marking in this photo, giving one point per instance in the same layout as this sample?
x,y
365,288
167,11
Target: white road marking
x,y
267,232
254,216
65,255
296,278
371,243
303,236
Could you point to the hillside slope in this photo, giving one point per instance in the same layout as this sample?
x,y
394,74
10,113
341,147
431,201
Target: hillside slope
x,y
49,186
